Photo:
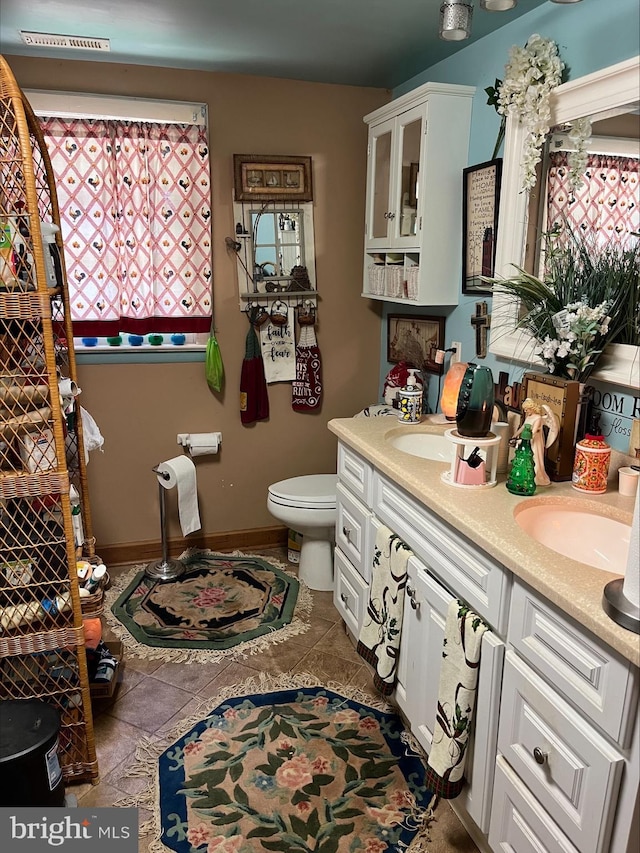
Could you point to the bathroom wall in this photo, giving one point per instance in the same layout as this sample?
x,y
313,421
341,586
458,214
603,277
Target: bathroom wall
x,y
590,35
141,407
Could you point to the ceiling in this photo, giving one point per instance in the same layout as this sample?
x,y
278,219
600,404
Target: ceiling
x,y
378,43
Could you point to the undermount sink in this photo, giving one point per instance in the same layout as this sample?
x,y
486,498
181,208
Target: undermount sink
x,y
428,445
576,530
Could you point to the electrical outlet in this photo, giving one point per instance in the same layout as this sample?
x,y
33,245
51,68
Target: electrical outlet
x,y
457,355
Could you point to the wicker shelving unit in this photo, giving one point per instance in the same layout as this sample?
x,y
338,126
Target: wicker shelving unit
x,y
42,652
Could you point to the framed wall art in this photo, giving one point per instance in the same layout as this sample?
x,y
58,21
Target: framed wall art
x,y
415,339
267,177
562,396
480,202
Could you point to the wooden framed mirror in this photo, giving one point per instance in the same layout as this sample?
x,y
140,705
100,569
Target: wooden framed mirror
x,y
611,90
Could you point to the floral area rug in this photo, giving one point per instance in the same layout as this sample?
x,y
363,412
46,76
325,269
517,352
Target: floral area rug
x,y
284,764
224,605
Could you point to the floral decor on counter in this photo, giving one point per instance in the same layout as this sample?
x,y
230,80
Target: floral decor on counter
x,y
586,299
531,74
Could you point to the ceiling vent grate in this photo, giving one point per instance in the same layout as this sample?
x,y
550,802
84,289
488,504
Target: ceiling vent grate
x,y
69,42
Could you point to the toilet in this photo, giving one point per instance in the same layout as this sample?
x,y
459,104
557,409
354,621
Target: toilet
x,y
308,505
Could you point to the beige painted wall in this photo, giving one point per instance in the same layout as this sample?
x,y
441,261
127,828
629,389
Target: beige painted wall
x,y
141,408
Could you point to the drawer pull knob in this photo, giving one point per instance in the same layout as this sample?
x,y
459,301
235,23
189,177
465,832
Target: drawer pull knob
x,y
539,755
346,532
415,604
411,592
344,598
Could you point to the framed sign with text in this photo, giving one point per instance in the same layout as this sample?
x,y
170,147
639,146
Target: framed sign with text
x,y
562,396
480,202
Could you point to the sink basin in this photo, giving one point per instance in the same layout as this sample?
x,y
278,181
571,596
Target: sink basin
x,y
578,531
425,444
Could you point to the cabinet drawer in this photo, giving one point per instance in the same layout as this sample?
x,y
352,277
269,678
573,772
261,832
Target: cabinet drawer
x,y
569,768
585,671
349,593
471,575
355,473
518,823
353,530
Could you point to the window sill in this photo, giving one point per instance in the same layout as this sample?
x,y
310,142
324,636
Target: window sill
x,y
103,353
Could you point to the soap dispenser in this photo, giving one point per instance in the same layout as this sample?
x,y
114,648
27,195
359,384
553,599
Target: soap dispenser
x,y
410,400
522,477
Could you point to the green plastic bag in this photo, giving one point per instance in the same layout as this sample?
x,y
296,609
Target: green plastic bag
x,y
214,368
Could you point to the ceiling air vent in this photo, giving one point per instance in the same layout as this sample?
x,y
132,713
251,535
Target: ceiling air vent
x,y
68,42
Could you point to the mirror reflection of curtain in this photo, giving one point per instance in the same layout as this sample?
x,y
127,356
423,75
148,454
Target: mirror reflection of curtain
x,y
606,204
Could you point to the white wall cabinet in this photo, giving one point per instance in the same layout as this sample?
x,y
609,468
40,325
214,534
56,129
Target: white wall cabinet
x,y
417,149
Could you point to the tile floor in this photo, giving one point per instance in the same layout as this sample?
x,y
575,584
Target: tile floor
x,y
154,696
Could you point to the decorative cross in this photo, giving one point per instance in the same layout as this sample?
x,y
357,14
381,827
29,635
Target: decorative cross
x,y
481,322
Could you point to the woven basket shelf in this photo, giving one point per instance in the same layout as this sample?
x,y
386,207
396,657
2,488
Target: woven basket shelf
x,y
42,652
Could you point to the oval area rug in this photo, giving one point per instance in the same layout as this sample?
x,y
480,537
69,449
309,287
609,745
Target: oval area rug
x,y
288,765
224,605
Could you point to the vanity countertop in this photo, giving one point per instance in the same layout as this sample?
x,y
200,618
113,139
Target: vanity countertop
x,y
485,516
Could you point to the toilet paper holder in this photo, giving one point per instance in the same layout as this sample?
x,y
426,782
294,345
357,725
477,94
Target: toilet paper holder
x,y
212,441
166,569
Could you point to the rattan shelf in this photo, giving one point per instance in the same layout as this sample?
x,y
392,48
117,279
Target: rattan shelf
x,y
42,653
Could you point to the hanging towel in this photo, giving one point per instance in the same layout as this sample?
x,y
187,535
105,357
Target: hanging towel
x,y
463,632
379,640
254,400
307,386
279,350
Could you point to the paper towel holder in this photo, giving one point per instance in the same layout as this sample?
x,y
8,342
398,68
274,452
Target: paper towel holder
x,y
166,569
618,607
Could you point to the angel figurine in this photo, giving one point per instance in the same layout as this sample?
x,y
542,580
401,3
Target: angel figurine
x,y
539,416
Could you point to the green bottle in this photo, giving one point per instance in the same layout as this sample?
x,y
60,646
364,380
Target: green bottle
x,y
522,477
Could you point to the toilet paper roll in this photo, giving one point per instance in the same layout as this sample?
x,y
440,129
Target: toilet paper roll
x,y
631,585
202,443
68,388
180,472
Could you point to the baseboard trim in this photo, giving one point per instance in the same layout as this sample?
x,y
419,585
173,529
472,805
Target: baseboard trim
x,y
232,540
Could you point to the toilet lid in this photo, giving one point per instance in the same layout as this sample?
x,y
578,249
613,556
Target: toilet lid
x,y
313,490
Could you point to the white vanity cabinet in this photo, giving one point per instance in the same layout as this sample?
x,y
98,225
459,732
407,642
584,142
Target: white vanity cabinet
x,y
417,149
365,500
567,736
354,551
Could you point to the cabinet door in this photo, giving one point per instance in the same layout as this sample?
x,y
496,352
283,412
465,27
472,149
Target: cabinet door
x,y
405,217
425,614
379,185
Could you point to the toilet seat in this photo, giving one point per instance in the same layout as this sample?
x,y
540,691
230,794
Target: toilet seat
x,y
313,491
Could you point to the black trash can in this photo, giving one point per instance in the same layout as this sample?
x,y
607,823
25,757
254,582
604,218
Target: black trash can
x,y
30,773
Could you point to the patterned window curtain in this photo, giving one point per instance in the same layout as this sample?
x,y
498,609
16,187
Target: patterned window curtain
x,y
606,204
135,210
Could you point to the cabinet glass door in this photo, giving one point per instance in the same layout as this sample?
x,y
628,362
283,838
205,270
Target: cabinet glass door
x,y
379,196
406,201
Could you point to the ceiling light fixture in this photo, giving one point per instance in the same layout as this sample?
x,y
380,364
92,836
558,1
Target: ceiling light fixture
x,y
455,21
497,5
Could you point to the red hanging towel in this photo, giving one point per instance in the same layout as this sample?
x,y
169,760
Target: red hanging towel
x,y
307,386
254,401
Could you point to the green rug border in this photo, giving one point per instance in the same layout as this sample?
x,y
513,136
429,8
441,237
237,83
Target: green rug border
x,y
201,645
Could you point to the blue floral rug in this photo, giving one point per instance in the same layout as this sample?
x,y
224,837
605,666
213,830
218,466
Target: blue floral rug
x,y
284,764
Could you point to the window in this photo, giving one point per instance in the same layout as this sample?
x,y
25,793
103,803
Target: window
x,y
133,186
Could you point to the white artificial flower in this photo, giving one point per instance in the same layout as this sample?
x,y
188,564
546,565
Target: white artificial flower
x,y
530,75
